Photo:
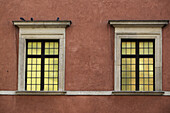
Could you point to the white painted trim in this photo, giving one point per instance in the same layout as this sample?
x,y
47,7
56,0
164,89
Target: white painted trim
x,y
138,33
86,93
40,32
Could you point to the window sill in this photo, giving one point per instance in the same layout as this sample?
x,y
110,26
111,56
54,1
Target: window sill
x,y
40,92
136,93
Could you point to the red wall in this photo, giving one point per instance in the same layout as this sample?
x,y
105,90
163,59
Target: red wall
x,y
89,54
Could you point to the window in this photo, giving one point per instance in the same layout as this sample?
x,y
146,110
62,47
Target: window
x,y
137,65
41,62
138,55
42,57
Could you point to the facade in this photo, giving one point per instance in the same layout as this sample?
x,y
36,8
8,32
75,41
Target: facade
x,y
84,56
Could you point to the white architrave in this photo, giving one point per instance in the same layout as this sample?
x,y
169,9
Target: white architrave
x,y
41,30
138,29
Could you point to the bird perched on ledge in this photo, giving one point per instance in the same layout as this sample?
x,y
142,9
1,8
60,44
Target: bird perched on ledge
x,y
22,19
58,18
32,19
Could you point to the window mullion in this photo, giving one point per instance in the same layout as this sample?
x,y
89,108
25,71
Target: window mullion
x,y
137,65
42,65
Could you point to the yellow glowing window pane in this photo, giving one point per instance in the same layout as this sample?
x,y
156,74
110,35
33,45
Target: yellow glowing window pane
x,y
46,81
38,51
140,67
56,45
33,81
46,67
55,74
133,44
141,87
140,80
128,67
146,44
56,51
150,44
47,44
146,67
123,74
51,67
56,67
38,44
128,51
150,80
123,87
50,80
133,81
150,51
34,61
133,51
51,51
133,67
146,87
133,61
55,81
141,51
45,87
29,61
38,74
29,44
123,44
128,60
33,74
128,87
128,44
38,60
33,87
28,80
29,87
46,74
29,51
140,44
146,74
141,74
133,74
51,44
150,74
51,60
55,60
133,87
146,51
34,67
140,60
55,87
47,51
128,74
150,87
28,67
34,45
145,60
150,67
146,80
123,51
50,88
38,87
38,80
28,74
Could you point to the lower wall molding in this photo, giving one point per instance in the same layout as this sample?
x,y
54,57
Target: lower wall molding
x,y
88,93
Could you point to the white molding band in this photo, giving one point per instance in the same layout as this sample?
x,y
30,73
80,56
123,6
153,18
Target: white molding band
x,y
138,29
41,30
86,93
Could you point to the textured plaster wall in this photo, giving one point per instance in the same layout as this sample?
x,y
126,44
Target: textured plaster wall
x,y
89,54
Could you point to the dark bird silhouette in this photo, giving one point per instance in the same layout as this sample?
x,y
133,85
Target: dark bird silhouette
x,y
22,19
32,19
58,18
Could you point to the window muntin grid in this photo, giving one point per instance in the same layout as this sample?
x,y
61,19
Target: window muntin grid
x,y
41,68
144,73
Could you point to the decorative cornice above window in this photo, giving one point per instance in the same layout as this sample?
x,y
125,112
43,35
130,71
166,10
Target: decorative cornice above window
x,y
138,23
43,24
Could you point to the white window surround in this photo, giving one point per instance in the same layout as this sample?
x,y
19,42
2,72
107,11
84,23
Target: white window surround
x,y
138,29
41,30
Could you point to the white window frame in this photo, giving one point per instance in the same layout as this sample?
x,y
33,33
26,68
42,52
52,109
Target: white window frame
x,y
41,30
142,29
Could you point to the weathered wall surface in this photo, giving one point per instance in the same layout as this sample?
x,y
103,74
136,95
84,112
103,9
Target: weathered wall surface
x,y
89,54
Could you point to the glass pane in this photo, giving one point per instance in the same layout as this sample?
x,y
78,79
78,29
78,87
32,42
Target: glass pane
x,y
145,48
128,74
51,74
33,74
51,48
34,48
128,48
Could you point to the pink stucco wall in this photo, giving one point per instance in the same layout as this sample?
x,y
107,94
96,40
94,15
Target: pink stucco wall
x,y
89,54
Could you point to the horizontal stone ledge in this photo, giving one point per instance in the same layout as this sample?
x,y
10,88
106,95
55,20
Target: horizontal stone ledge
x,y
136,93
40,92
